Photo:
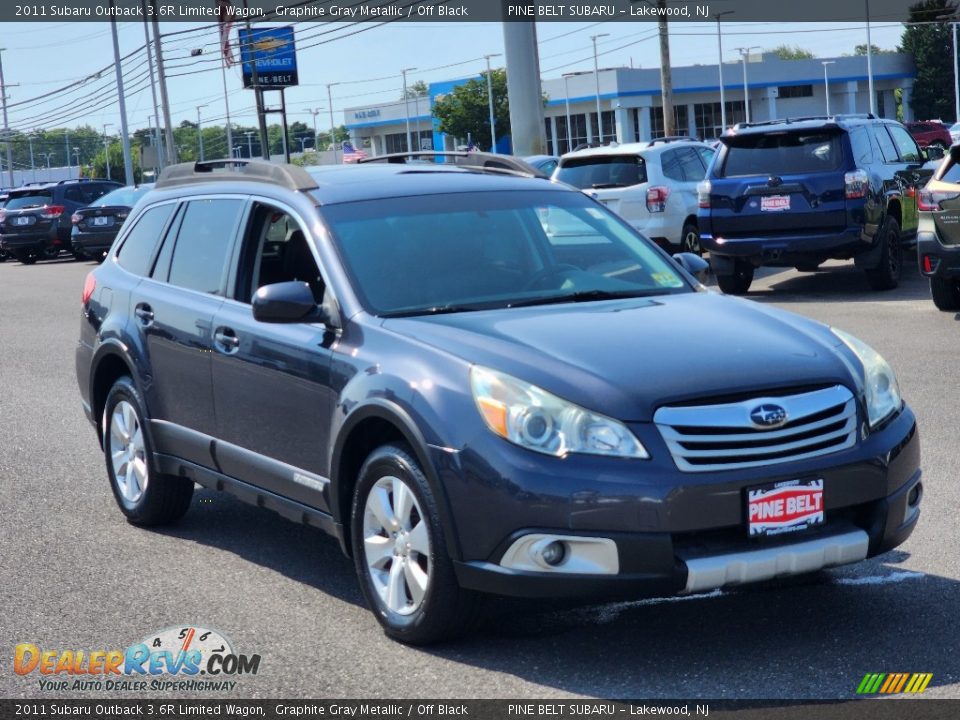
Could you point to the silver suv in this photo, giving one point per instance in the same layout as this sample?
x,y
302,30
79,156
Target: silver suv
x,y
651,185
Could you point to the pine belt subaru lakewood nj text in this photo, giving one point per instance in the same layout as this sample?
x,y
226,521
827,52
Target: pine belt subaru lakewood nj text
x,y
410,357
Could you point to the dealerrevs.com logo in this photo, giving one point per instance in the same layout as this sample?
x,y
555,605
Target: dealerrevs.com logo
x,y
188,658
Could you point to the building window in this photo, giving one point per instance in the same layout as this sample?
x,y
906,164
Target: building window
x,y
609,126
561,145
396,142
578,130
881,109
708,119
795,91
548,125
679,121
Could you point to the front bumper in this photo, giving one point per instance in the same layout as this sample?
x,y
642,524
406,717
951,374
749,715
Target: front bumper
x,y
944,260
683,532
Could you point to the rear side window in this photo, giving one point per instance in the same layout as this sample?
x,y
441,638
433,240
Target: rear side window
x,y
785,153
887,149
137,250
18,202
909,152
203,244
603,171
684,164
861,145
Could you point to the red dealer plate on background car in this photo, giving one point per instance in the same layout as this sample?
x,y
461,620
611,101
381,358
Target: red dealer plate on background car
x,y
774,203
784,507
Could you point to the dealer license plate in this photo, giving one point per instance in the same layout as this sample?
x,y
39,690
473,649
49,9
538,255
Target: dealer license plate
x,y
774,203
784,507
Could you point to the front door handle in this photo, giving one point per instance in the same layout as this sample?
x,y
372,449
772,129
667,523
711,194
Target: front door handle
x,y
226,341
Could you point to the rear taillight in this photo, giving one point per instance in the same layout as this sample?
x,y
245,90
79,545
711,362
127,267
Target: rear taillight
x,y
930,200
657,198
855,184
75,219
703,194
49,212
927,264
89,285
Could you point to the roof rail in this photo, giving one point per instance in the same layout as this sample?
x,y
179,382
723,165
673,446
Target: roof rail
x,y
805,118
674,138
288,176
487,162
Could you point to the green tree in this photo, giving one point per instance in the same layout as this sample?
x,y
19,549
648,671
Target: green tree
x,y
791,52
97,167
417,89
874,50
465,111
928,39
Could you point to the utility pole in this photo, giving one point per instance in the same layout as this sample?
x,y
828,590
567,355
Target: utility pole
x,y
6,125
528,135
723,101
106,149
257,92
124,137
493,121
666,79
33,168
873,95
826,82
199,134
66,145
250,134
161,75
956,76
226,100
333,139
596,79
744,56
406,106
153,85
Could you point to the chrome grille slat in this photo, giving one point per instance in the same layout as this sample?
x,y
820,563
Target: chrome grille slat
x,y
727,425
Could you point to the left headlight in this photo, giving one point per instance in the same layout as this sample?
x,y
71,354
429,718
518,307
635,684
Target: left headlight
x,y
879,380
535,419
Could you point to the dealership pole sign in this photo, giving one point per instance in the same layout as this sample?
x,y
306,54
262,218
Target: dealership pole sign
x,y
272,50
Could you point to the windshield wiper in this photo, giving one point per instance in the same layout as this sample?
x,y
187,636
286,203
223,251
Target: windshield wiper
x,y
435,310
584,296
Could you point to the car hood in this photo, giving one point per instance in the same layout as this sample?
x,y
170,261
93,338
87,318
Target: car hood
x,y
627,358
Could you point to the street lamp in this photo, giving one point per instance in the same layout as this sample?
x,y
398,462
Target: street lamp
x,y
302,140
596,77
493,131
744,54
332,138
106,149
236,150
33,168
47,155
76,153
723,102
199,133
315,112
250,134
826,82
406,105
566,101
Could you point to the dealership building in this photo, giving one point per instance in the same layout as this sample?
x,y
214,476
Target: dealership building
x,y
630,101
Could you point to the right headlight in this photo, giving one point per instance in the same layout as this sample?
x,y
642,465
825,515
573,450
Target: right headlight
x,y
879,380
535,419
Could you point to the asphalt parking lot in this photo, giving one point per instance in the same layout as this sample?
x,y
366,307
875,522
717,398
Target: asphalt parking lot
x,y
76,575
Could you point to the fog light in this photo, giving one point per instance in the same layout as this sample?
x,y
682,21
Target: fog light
x,y
554,553
914,497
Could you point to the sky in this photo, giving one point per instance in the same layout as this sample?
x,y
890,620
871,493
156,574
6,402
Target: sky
x,y
364,59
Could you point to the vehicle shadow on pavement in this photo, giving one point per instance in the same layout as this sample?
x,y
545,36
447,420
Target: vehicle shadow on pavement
x,y
838,282
219,520
813,636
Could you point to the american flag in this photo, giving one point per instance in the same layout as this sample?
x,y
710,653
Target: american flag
x,y
226,22
352,154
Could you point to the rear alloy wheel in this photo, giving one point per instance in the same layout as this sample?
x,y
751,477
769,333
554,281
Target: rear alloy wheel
x,y
945,293
144,496
739,282
690,239
886,276
400,553
51,253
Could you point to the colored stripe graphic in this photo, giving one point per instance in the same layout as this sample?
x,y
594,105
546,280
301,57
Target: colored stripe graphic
x,y
894,683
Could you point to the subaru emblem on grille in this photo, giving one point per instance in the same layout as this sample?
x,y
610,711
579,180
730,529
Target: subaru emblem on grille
x,y
768,416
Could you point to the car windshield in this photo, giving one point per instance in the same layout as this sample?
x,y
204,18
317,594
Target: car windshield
x,y
124,197
782,153
472,251
27,200
602,171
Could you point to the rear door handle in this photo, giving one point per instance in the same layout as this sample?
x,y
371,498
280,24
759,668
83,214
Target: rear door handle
x,y
144,314
226,341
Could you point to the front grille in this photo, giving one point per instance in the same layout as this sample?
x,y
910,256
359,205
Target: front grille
x,y
706,438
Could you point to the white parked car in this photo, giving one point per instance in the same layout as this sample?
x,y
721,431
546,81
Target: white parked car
x,y
651,185
955,132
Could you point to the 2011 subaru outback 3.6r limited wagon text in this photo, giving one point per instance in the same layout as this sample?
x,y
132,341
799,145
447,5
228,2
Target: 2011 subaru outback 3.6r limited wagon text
x,y
407,358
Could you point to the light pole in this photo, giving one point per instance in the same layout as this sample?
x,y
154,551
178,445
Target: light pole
x,y
826,82
493,131
47,155
33,168
315,112
301,143
406,105
250,135
200,133
596,77
744,54
106,149
332,138
6,126
956,76
566,100
873,96
723,101
236,150
76,154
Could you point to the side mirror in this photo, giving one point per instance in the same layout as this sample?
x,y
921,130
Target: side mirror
x,y
933,152
288,302
693,264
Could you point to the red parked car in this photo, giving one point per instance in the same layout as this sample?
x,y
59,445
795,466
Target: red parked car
x,y
930,132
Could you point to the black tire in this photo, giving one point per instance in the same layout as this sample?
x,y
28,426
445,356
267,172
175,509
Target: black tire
x,y
690,239
739,282
25,257
51,253
163,498
945,293
886,276
79,255
4,256
445,610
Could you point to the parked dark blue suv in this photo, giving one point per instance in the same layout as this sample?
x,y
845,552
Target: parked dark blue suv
x,y
479,383
794,193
